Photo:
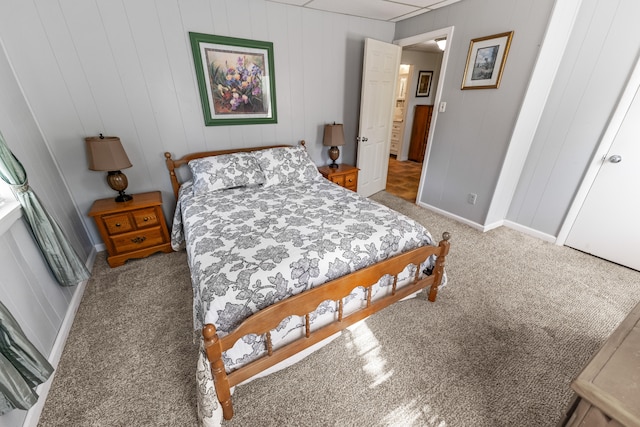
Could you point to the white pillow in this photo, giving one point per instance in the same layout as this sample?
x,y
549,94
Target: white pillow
x,y
286,165
225,171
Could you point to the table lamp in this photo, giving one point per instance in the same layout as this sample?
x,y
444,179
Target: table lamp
x,y
333,137
105,153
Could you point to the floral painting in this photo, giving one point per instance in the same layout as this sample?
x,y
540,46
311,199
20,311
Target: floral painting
x,y
235,78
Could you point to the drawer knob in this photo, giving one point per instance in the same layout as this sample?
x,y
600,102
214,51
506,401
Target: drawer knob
x,y
139,239
350,180
145,219
117,224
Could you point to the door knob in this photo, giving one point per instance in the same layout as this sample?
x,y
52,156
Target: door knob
x,y
363,139
615,158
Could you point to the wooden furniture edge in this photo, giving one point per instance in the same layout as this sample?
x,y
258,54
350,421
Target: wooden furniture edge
x,y
173,164
583,384
334,290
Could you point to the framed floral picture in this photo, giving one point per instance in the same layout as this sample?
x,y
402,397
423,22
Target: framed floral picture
x,y
424,83
485,61
236,80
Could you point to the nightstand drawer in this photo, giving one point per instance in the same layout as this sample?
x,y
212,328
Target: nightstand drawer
x,y
344,175
338,179
145,218
116,224
137,240
351,181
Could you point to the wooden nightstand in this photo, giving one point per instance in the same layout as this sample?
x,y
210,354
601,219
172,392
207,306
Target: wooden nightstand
x,y
133,229
344,175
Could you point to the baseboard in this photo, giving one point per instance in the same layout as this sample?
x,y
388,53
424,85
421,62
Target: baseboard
x,y
530,231
484,228
33,414
452,216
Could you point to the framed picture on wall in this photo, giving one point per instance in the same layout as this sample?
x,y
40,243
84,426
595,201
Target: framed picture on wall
x,y
236,79
424,83
485,61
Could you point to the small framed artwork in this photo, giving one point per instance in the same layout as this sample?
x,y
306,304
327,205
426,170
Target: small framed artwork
x,y
485,61
424,83
236,80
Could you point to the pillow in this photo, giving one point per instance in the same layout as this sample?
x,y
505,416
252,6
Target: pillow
x,y
286,165
225,171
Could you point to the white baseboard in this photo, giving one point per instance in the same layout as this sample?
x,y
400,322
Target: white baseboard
x,y
452,216
33,414
487,227
530,231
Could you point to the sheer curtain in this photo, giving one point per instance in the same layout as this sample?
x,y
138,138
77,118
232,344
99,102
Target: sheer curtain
x,y
22,367
62,259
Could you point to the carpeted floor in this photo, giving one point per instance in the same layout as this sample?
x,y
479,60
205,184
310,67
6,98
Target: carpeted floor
x,y
518,320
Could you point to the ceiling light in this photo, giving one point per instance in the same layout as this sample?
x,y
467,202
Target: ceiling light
x,y
442,43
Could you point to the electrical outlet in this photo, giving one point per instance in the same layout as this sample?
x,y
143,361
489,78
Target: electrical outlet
x,y
471,198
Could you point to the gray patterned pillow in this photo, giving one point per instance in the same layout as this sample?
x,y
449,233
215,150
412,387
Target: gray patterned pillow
x,y
286,165
225,171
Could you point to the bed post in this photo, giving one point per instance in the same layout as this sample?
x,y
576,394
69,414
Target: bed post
x,y
213,348
439,267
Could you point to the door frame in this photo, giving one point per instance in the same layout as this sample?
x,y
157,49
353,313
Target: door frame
x,y
599,156
419,38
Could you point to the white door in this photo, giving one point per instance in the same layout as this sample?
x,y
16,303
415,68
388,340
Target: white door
x,y
379,76
608,223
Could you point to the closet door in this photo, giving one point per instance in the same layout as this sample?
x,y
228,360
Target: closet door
x,y
420,132
607,224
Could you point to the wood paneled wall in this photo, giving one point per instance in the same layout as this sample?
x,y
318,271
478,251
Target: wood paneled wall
x,y
125,68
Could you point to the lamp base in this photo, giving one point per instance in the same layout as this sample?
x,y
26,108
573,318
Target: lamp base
x,y
334,153
118,182
124,197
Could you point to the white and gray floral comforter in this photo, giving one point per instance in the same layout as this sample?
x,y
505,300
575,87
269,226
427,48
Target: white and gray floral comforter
x,y
252,246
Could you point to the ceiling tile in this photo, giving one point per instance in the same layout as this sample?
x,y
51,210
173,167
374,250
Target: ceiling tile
x,y
374,9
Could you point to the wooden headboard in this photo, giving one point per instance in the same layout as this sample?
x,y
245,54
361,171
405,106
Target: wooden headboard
x,y
172,164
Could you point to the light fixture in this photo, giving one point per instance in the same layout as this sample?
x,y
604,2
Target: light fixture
x,y
442,43
333,137
105,153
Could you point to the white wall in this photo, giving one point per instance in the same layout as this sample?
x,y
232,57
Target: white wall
x,y
592,74
125,68
421,61
471,138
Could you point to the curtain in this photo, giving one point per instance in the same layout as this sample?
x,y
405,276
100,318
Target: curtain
x,y
22,367
64,262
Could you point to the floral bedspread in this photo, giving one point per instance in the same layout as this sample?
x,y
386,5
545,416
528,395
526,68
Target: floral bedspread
x,y
252,246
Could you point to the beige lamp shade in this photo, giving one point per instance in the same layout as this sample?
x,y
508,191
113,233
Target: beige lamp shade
x,y
105,153
333,135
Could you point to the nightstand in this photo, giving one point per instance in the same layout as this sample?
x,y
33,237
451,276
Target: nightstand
x,y
133,229
344,175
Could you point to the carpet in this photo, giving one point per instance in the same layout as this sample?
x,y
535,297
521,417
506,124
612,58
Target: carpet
x,y
517,322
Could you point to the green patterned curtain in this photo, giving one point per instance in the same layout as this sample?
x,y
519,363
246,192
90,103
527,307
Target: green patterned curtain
x,y
22,367
64,262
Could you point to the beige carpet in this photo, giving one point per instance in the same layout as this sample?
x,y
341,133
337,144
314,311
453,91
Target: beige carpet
x,y
518,320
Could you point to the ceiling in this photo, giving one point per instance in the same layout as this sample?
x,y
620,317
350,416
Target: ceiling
x,y
382,10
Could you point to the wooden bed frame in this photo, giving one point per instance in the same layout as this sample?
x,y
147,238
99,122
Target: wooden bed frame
x,y
262,322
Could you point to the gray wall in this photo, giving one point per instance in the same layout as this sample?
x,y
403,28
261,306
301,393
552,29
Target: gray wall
x,y
471,138
125,68
600,55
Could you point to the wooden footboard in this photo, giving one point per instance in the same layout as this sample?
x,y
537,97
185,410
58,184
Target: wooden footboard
x,y
303,304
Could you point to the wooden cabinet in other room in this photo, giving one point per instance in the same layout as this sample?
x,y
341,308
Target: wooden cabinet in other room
x,y
420,132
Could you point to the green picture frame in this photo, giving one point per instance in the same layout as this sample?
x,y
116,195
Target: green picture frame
x,y
236,80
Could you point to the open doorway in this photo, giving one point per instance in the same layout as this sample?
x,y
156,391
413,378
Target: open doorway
x,y
420,80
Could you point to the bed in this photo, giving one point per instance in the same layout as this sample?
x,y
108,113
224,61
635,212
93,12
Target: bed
x,y
282,261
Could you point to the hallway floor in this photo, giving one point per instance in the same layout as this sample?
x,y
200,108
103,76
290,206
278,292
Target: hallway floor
x,y
403,179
